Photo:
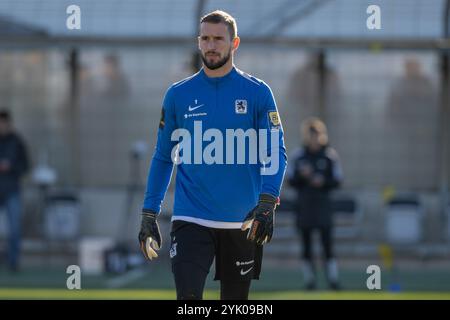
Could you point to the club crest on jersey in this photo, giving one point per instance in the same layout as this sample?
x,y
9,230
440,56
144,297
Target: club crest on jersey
x,y
274,120
240,106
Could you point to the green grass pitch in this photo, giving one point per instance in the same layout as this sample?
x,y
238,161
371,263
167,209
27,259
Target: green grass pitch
x,y
105,294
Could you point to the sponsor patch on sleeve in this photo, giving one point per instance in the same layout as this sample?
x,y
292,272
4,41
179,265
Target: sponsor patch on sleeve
x,y
274,120
161,121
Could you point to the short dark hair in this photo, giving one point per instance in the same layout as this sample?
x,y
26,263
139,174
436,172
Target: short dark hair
x,y
220,16
5,115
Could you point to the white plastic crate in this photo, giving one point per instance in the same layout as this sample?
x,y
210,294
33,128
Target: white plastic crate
x,y
404,223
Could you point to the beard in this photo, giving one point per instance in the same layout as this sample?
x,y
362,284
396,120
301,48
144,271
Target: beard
x,y
218,64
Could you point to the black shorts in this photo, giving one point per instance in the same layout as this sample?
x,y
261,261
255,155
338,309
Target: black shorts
x,y
237,259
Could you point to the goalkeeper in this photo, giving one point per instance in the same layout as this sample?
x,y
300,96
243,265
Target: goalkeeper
x,y
225,209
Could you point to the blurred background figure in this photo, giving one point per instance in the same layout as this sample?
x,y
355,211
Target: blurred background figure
x,y
115,82
314,172
314,86
13,165
412,122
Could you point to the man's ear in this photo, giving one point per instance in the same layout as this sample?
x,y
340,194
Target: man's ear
x,y
236,42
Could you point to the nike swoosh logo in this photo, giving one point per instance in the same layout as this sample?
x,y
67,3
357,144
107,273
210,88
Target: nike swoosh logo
x,y
243,273
193,108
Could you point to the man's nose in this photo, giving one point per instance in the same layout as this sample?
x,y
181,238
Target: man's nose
x,y
211,45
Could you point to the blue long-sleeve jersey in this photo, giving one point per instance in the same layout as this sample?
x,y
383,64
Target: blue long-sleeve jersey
x,y
218,180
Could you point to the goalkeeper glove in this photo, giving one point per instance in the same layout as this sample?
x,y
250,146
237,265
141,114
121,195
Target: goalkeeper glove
x,y
260,220
149,236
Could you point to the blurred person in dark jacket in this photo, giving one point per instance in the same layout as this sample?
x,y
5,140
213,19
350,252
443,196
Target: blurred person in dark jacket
x,y
314,172
13,165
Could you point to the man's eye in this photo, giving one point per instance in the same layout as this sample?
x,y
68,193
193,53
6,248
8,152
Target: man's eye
x,y
204,38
